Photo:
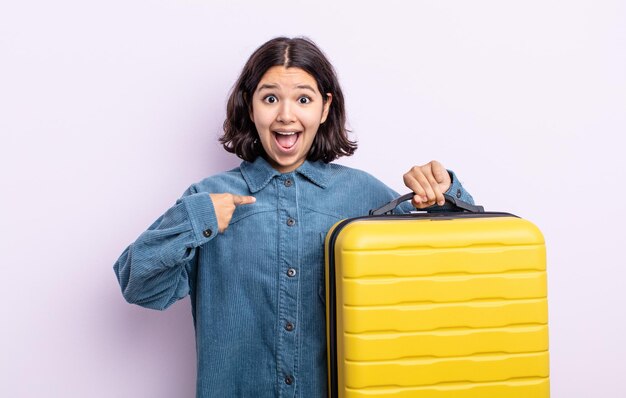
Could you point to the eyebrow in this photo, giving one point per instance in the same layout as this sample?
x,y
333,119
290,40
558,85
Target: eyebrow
x,y
268,86
306,87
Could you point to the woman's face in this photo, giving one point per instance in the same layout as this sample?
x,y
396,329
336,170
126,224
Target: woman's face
x,y
287,110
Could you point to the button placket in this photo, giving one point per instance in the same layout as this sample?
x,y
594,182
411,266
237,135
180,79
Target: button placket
x,y
289,296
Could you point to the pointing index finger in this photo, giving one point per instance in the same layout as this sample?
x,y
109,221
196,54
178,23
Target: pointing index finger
x,y
243,200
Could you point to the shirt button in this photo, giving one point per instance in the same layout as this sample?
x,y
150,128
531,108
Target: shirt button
x,y
289,380
291,272
288,182
207,233
291,222
289,326
458,193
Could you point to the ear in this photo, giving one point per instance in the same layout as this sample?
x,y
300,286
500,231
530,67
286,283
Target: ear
x,y
326,109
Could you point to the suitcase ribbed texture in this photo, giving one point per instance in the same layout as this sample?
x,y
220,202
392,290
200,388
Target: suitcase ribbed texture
x,y
440,307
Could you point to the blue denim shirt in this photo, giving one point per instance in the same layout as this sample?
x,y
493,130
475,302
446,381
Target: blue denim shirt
x,y
257,290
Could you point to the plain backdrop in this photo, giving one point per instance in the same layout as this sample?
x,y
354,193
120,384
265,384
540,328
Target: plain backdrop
x,y
110,109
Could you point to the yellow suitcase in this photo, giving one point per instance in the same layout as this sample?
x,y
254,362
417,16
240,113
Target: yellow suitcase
x,y
437,305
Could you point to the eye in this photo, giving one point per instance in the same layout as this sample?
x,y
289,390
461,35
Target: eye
x,y
304,100
270,99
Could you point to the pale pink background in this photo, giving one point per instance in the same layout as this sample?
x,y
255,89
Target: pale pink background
x,y
109,110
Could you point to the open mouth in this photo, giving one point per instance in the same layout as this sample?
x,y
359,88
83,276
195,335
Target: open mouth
x,y
286,139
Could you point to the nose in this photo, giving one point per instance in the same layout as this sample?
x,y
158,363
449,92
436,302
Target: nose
x,y
285,113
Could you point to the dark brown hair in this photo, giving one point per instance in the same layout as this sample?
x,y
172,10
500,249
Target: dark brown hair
x,y
240,135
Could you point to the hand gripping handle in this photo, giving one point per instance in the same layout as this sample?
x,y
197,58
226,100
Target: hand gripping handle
x,y
457,205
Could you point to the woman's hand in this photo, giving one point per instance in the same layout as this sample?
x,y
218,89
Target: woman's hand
x,y
429,182
225,204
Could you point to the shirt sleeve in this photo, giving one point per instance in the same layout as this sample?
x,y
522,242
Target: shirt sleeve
x,y
456,189
154,270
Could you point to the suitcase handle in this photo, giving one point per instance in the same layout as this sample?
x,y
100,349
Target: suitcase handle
x,y
458,205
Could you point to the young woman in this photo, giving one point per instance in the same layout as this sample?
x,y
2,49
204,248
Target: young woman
x,y
247,244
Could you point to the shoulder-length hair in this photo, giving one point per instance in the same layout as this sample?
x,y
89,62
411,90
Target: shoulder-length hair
x,y
240,135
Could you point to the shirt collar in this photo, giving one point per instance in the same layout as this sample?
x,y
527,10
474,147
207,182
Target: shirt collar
x,y
317,172
259,173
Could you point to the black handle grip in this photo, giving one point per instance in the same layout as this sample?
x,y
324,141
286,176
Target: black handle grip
x,y
456,203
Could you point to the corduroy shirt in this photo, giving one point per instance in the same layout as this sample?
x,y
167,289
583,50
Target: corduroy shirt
x,y
257,289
